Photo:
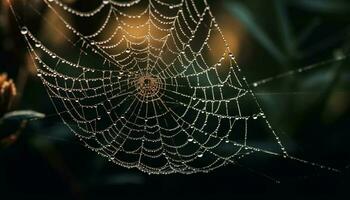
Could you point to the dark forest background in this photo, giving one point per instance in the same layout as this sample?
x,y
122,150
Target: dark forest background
x,y
40,159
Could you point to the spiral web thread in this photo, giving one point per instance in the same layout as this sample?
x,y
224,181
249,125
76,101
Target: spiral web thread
x,y
154,87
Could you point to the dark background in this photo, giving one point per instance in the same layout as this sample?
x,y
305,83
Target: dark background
x,y
310,110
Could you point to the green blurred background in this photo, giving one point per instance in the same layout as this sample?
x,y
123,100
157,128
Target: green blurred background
x,y
310,109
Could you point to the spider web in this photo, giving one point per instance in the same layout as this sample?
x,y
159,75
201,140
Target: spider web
x,y
154,86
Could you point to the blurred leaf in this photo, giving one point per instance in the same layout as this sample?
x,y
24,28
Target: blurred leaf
x,y
21,116
328,6
308,30
317,81
59,133
124,179
285,26
245,16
